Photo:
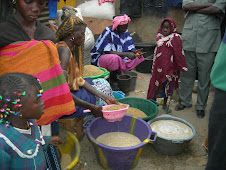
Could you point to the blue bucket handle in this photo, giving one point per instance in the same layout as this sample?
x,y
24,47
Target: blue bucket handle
x,y
177,141
156,103
120,92
155,137
86,123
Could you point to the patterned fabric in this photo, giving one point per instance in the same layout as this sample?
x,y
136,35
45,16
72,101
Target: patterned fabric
x,y
45,65
51,153
103,86
52,158
19,152
112,41
160,92
168,61
75,79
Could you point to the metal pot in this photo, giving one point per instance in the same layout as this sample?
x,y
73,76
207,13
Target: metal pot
x,y
168,146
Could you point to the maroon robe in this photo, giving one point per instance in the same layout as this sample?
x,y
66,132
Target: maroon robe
x,y
168,61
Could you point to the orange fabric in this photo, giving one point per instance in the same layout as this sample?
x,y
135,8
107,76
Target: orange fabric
x,y
75,79
80,59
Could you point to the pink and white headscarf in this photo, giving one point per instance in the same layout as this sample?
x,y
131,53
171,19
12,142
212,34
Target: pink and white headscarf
x,y
120,20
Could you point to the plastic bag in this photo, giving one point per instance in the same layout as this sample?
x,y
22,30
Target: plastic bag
x,y
60,13
93,9
88,46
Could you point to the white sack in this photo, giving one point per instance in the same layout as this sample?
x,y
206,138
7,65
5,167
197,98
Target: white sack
x,y
93,9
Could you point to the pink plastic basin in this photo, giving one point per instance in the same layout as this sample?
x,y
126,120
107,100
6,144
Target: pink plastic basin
x,y
114,115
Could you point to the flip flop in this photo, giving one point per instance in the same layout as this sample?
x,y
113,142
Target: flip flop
x,y
167,110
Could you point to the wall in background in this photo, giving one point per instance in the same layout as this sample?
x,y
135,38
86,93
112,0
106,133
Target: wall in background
x,y
147,25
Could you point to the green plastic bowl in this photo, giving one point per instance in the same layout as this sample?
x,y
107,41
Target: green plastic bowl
x,y
106,73
149,107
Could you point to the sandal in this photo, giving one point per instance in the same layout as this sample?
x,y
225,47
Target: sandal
x,y
167,110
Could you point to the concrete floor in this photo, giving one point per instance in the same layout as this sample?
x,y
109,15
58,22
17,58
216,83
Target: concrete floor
x,y
194,158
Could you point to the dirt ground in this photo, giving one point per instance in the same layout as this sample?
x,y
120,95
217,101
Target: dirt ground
x,y
194,158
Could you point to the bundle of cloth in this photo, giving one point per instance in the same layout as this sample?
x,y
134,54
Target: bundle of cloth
x,y
20,57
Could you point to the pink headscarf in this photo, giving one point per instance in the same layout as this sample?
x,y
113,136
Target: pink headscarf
x,y
120,20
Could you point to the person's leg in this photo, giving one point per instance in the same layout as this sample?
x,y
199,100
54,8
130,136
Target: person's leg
x,y
165,102
165,107
187,81
114,62
204,65
217,132
111,62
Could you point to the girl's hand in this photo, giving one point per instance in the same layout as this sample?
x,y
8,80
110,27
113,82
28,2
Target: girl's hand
x,y
97,111
55,140
139,51
53,27
111,101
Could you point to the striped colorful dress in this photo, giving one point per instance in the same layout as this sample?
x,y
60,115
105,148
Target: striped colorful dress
x,y
40,59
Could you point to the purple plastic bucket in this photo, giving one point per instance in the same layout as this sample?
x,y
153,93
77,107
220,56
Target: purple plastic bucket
x,y
117,158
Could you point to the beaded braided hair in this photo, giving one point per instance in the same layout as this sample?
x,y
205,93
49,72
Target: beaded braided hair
x,y
14,87
69,25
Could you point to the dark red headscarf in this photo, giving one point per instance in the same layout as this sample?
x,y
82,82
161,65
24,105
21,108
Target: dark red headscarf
x,y
172,26
168,60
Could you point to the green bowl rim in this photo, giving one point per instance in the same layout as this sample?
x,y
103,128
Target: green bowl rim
x,y
151,101
101,75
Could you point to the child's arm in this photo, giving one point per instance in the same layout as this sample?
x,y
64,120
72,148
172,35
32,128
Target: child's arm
x,y
47,140
55,140
52,140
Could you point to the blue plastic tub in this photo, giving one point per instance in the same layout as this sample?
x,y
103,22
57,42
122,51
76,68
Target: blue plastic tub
x,y
116,158
118,94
